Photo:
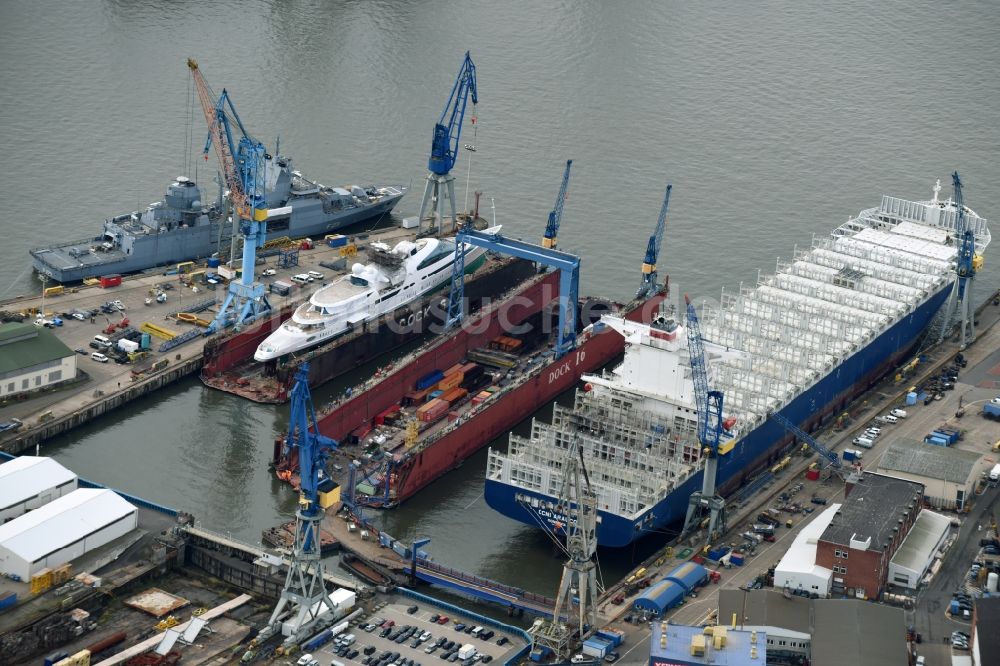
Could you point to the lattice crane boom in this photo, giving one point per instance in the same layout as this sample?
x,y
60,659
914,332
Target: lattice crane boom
x,y
831,456
649,276
551,237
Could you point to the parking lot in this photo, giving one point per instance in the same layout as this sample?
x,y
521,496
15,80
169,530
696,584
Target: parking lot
x,y
380,646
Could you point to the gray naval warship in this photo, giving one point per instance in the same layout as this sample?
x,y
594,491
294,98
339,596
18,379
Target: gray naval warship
x,y
182,227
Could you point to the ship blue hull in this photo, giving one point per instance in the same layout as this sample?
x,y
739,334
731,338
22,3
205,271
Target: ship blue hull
x,y
196,242
828,396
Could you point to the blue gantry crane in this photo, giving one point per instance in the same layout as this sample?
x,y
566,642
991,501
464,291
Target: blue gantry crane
x,y
304,600
710,431
243,172
444,146
569,278
649,285
551,237
960,303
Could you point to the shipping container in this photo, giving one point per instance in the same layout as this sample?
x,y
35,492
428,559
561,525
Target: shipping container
x,y
615,636
429,380
416,397
7,602
596,647
449,382
336,240
280,287
112,280
453,369
214,262
454,395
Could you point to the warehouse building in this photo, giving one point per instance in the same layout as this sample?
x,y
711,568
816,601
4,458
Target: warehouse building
x,y
28,482
785,621
866,532
63,530
822,631
949,475
798,570
918,550
32,358
684,645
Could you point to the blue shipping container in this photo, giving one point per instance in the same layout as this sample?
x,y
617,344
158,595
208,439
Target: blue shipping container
x,y
8,601
214,262
429,380
337,241
936,441
321,639
54,658
911,398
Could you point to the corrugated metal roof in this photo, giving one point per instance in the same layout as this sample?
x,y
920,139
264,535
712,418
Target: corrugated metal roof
x,y
25,353
62,522
25,477
943,463
918,546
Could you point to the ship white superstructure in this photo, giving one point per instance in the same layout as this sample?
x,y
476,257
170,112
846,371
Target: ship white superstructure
x,y
392,278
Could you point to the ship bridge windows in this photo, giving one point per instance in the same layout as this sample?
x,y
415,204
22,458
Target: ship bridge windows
x,y
359,281
280,224
443,249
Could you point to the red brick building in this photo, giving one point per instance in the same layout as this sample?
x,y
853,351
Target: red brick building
x,y
876,516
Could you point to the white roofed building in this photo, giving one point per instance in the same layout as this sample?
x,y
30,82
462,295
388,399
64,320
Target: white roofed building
x,y
63,530
798,570
28,482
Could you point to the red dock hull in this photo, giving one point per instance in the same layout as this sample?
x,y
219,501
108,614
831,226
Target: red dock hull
x,y
506,410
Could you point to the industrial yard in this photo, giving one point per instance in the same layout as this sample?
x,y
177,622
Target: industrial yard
x,y
101,387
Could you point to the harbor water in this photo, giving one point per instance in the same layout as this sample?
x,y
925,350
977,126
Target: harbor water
x,y
774,122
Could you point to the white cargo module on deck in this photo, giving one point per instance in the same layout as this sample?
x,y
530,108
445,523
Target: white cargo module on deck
x,y
29,482
63,530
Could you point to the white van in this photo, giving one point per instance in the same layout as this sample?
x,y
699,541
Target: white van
x,y
301,278
99,357
863,442
889,418
102,340
898,413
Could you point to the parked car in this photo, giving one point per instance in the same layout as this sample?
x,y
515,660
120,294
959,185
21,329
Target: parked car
x,y
268,272
99,357
898,413
12,425
316,275
443,619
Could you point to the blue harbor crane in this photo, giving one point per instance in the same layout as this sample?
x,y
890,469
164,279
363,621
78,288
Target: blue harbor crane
x,y
304,600
710,430
648,286
569,278
960,303
444,147
243,172
831,457
551,237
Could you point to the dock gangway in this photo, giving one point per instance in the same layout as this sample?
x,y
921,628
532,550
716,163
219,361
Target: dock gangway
x,y
482,588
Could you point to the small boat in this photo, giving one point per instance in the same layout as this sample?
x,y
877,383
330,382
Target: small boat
x,y
363,570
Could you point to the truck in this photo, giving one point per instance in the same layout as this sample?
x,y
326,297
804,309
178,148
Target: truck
x,y
995,473
852,454
991,410
466,651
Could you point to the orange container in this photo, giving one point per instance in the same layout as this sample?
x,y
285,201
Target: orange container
x,y
435,409
453,369
454,395
450,381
